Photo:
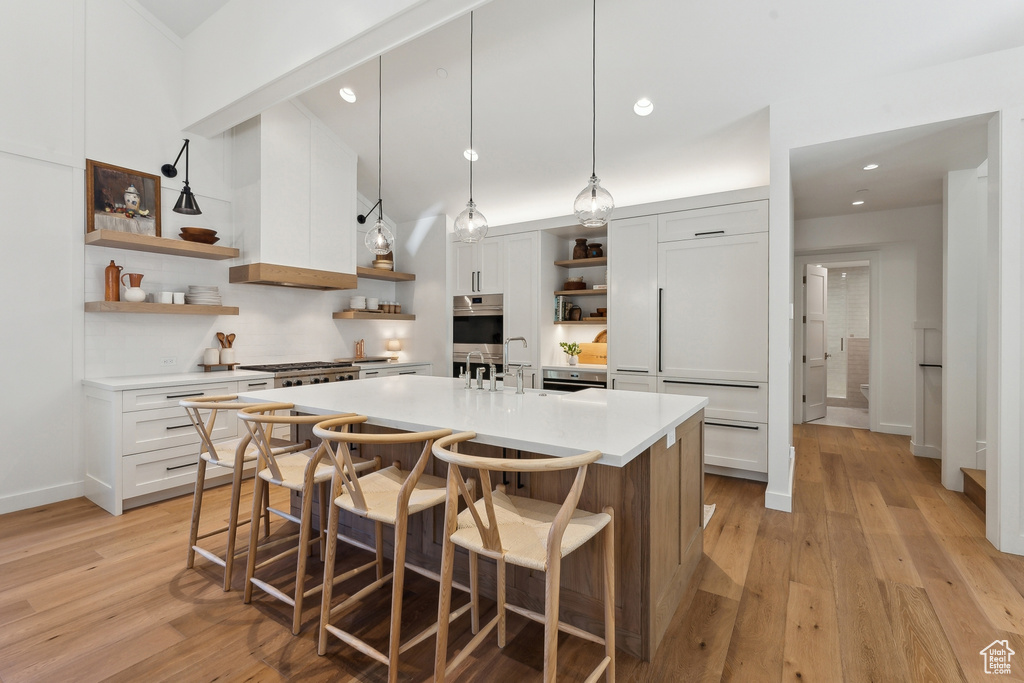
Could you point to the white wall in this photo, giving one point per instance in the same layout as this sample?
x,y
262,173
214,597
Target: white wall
x,y
422,248
908,243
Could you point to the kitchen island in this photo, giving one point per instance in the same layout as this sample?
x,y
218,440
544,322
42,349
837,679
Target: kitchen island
x,y
650,473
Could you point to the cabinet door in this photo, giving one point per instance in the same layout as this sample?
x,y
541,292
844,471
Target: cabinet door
x,y
464,268
521,263
490,265
624,381
632,294
714,221
714,308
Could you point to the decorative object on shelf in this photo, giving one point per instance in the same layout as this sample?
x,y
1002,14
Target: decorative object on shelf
x,y
186,201
580,250
179,298
601,313
360,346
134,287
562,305
379,239
112,282
574,283
594,250
227,356
602,337
121,199
203,295
593,206
572,349
575,313
394,346
211,356
470,225
200,235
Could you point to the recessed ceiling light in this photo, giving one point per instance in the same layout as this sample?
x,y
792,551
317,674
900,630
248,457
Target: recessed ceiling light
x,y
871,167
442,73
347,94
643,107
858,202
471,154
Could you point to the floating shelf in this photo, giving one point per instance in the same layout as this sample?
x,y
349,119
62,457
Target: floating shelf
x,y
158,245
143,307
582,292
583,262
585,321
369,315
381,274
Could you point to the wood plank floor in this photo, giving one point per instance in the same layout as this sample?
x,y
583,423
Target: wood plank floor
x,y
879,574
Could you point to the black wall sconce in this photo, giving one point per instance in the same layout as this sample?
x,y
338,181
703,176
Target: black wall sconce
x,y
187,201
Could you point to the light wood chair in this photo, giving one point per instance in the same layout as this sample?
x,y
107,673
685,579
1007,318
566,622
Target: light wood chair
x,y
388,496
524,532
232,454
297,471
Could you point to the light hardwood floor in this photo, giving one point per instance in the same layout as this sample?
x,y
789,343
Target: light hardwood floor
x,y
879,574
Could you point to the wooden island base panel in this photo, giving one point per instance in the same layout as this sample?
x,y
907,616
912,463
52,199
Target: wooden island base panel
x,y
658,502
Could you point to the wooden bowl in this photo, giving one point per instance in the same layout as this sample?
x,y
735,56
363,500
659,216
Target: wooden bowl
x,y
199,231
202,239
574,285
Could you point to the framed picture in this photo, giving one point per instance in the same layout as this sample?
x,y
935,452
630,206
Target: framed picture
x,y
121,199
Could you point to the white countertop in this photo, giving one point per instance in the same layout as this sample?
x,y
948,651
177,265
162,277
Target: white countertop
x,y
620,424
129,382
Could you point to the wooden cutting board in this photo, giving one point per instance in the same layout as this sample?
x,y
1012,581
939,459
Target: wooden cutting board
x,y
594,354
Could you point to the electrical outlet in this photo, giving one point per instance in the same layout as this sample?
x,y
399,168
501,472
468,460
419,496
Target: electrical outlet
x,y
169,361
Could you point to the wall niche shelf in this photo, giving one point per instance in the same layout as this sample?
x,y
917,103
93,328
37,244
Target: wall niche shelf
x,y
381,274
585,321
370,315
144,307
158,245
583,262
582,292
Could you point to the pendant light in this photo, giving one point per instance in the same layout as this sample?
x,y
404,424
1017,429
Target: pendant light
x,y
594,204
470,225
186,203
379,239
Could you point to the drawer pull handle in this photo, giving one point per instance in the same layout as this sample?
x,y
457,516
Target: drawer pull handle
x,y
712,384
628,370
180,467
195,393
720,424
257,384
375,372
408,372
179,426
709,232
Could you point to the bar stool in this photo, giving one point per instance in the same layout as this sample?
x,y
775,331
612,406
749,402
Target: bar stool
x,y
296,471
231,454
527,533
388,496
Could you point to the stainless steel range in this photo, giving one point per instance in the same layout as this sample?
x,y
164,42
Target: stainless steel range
x,y
311,372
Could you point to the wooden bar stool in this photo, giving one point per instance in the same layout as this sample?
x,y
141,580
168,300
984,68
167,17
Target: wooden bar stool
x,y
296,471
231,454
388,496
527,533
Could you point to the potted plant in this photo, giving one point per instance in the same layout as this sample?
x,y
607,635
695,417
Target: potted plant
x,y
572,349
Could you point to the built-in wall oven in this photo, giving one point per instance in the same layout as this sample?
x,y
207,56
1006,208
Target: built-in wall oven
x,y
574,380
477,326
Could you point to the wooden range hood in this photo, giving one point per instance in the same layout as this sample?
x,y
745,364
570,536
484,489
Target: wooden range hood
x,y
291,276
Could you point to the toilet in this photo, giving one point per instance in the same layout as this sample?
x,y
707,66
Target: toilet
x,y
864,390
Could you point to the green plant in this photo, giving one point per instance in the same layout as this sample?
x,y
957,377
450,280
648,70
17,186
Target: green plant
x,y
570,348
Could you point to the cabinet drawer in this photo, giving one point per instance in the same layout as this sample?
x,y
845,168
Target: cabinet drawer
x,y
714,221
150,430
741,445
166,469
165,397
726,400
630,382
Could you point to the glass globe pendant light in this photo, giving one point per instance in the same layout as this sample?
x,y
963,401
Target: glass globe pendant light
x,y
470,225
379,239
594,205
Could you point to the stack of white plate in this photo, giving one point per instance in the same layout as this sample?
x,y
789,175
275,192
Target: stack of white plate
x,y
203,295
357,303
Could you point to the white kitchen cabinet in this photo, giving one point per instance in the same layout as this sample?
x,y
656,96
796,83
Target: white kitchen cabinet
x,y
478,267
726,400
626,381
140,446
714,221
371,371
633,295
739,445
714,308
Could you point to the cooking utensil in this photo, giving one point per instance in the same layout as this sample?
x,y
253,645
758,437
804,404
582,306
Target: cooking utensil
x,y
222,340
231,339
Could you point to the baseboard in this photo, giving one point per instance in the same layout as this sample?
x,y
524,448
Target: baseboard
x,y
735,473
922,451
902,430
783,501
31,499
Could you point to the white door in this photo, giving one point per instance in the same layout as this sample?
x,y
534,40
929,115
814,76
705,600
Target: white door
x,y
815,338
464,262
490,265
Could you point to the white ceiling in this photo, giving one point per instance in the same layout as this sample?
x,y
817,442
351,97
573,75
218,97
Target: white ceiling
x,y
711,69
182,16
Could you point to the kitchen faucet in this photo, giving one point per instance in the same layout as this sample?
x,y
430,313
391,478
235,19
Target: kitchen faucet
x,y
519,366
469,375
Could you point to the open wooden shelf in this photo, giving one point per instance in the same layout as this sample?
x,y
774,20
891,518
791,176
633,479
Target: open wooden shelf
x,y
143,307
381,274
370,315
583,262
158,245
585,321
582,292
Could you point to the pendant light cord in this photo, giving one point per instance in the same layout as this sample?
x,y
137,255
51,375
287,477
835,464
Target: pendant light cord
x,y
472,151
380,118
593,86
